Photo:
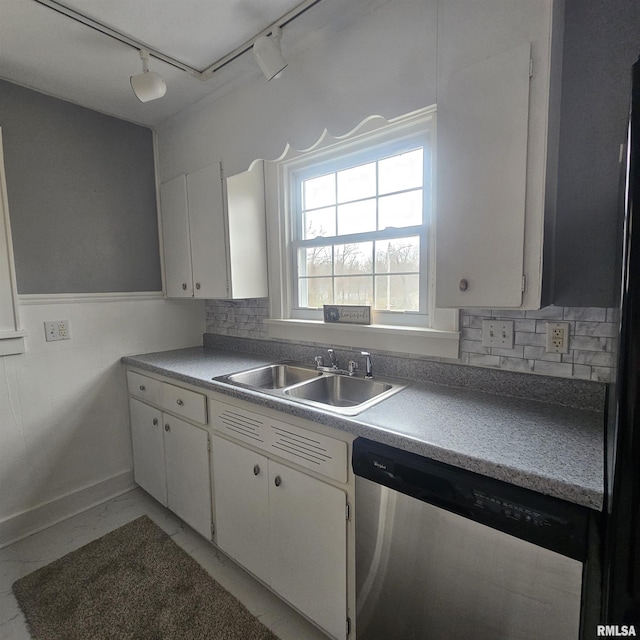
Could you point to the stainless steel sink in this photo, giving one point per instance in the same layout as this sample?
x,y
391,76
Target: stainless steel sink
x,y
274,376
296,381
341,391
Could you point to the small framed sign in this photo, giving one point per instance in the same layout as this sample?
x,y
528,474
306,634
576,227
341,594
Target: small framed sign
x,y
347,313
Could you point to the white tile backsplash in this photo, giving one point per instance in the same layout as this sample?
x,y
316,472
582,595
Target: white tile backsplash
x,y
592,337
592,342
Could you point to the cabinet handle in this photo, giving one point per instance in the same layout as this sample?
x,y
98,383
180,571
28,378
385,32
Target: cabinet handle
x,y
464,284
180,403
184,286
143,388
155,422
256,470
167,427
197,285
277,481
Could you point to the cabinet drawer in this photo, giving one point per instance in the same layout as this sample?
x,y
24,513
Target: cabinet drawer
x,y
188,404
144,387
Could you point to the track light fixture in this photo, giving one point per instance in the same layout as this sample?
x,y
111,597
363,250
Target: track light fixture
x,y
268,54
147,85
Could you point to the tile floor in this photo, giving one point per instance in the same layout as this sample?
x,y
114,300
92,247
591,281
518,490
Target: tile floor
x,y
37,550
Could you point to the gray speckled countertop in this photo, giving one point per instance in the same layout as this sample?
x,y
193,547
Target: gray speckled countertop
x,y
549,448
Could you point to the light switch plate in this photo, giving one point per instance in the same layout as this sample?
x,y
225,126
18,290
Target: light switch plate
x,y
497,333
56,330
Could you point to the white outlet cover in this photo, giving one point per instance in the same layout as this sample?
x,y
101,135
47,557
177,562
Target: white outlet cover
x,y
557,337
56,330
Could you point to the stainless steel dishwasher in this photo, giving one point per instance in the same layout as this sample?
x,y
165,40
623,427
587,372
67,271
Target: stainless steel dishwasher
x,y
446,554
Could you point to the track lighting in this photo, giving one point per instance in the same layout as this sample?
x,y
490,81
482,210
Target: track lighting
x,y
268,55
147,85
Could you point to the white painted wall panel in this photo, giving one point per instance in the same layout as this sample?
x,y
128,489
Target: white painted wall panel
x,y
63,405
381,62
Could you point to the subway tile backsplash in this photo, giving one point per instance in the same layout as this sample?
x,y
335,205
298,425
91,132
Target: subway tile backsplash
x,y
592,337
592,342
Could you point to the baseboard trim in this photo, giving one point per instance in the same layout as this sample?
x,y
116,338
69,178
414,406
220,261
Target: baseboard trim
x,y
26,523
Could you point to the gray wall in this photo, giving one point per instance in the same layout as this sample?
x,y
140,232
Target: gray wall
x,y
82,197
601,42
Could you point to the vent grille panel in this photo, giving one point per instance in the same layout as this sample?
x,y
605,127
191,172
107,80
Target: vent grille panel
x,y
315,451
242,426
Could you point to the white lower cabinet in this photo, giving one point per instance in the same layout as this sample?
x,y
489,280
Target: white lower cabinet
x,y
148,449
287,528
188,482
171,462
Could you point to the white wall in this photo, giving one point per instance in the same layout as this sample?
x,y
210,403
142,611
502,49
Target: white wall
x,y
381,62
64,426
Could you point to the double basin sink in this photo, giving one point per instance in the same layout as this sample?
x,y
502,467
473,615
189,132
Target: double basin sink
x,y
296,381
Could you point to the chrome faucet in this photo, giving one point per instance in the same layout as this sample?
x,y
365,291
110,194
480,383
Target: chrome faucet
x,y
352,370
368,364
332,359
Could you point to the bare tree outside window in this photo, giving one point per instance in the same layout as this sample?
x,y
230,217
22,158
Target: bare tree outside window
x,y
363,235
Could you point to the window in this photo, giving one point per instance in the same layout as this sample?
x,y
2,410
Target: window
x,y
360,232
351,223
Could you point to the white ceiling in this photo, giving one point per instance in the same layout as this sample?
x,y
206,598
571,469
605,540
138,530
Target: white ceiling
x,y
42,49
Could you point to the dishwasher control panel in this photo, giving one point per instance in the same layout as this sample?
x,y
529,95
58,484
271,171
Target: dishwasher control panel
x,y
515,511
543,520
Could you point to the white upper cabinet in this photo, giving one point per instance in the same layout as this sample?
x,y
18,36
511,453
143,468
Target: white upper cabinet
x,y
176,241
214,246
498,109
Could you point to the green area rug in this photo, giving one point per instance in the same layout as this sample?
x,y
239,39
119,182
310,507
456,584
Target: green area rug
x,y
133,583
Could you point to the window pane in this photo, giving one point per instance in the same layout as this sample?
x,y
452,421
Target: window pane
x,y
397,293
319,222
354,290
357,217
400,254
314,261
314,292
400,210
353,258
319,192
400,172
357,183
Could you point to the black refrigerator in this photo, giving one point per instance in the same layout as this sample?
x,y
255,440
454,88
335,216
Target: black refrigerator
x,y
621,534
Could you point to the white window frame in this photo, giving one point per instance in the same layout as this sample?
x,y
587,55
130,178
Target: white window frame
x,y
440,338
11,336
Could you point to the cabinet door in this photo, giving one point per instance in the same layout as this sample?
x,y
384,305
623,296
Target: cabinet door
x,y
175,236
188,481
483,118
247,233
148,449
308,540
207,230
240,480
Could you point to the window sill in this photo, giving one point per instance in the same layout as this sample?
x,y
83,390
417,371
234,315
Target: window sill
x,y
424,342
12,343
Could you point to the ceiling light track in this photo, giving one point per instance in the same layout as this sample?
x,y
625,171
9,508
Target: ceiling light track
x,y
116,35
203,74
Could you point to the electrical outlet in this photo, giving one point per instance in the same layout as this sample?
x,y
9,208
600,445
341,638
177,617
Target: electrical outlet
x,y
497,333
557,337
56,330
231,314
